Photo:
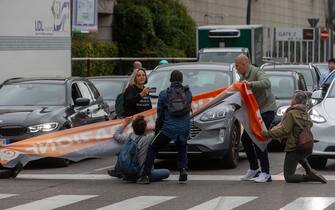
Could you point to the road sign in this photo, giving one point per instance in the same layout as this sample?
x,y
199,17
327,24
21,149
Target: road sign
x,y
324,34
289,34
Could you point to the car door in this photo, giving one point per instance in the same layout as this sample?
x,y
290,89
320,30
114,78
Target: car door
x,y
99,109
80,114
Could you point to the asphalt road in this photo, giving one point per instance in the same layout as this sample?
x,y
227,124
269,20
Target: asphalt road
x,y
85,185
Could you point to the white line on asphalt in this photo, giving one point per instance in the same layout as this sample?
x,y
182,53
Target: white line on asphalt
x,y
6,195
104,168
172,177
138,203
310,203
224,203
53,202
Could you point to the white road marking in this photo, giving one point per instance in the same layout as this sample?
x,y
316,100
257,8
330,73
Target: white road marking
x,y
7,195
224,203
104,168
52,202
138,203
310,203
171,178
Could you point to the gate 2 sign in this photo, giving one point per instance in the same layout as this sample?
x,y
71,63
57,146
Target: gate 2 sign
x,y
289,34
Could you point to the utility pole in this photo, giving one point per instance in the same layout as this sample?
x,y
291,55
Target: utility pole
x,y
248,12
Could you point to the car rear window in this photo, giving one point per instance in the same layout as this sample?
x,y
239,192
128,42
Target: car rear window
x,y
199,81
34,94
282,86
109,89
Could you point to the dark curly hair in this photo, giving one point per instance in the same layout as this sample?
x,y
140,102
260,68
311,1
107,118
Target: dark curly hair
x,y
139,125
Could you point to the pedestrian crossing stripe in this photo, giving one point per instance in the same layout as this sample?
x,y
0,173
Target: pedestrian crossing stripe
x,y
144,202
53,202
310,203
224,203
6,195
138,203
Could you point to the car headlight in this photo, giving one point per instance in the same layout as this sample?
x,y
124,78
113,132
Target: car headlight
x,y
215,114
45,127
281,110
316,117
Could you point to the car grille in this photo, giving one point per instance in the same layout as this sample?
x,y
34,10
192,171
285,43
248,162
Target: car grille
x,y
194,131
12,130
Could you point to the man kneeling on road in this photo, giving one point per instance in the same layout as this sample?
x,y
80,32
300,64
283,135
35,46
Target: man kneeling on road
x,y
173,123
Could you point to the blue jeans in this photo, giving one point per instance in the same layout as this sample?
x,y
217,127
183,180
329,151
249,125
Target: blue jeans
x,y
159,174
159,141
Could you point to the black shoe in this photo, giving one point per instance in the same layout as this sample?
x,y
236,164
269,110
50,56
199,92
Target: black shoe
x,y
143,180
183,175
113,173
6,173
314,177
16,170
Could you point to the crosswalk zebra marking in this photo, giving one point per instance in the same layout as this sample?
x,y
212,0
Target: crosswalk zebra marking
x,y
53,202
137,203
310,203
7,195
224,203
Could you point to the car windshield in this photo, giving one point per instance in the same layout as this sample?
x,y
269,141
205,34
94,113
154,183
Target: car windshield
x,y
32,94
307,73
199,81
282,86
109,89
322,67
222,57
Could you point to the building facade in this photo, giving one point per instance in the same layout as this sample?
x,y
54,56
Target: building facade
x,y
269,13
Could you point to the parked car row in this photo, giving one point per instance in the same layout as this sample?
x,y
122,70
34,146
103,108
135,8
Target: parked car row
x,y
34,106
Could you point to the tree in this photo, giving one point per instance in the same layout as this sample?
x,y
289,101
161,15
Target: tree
x,y
155,28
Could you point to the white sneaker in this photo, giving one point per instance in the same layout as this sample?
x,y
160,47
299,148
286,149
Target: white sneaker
x,y
263,177
250,175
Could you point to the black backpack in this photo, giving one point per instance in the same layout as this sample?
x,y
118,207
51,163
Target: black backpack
x,y
177,103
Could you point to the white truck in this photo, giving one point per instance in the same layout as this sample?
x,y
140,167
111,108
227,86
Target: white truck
x,y
35,38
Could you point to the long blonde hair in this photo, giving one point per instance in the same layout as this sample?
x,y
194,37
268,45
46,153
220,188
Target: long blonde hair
x,y
132,79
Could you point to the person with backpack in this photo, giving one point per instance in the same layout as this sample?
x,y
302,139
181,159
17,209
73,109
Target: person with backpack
x,y
172,124
136,97
130,162
295,128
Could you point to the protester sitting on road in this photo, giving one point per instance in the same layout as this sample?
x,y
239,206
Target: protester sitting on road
x,y
143,139
136,95
172,124
294,121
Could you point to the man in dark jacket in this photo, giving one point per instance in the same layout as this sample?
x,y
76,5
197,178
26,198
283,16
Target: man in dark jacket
x,y
170,127
294,121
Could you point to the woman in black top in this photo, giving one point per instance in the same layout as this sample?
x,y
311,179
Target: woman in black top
x,y
136,96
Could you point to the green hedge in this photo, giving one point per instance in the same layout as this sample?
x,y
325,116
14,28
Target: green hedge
x,y
153,28
85,46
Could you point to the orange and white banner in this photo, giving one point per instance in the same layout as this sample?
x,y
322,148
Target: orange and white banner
x,y
96,140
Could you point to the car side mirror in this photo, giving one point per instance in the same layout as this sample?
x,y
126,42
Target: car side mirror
x,y
317,95
82,102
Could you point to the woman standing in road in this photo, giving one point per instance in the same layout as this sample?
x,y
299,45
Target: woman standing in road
x,y
136,95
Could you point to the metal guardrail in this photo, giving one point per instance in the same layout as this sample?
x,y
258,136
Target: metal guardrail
x,y
133,59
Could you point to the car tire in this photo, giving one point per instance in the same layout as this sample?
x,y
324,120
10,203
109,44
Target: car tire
x,y
317,162
231,159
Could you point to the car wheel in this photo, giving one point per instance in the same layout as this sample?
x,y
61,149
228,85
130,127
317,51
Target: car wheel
x,y
232,158
317,162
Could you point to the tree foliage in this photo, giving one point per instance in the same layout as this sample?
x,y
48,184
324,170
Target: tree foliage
x,y
153,28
